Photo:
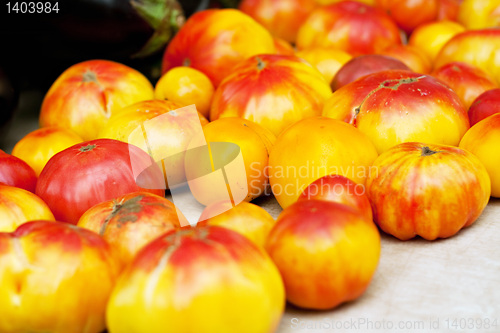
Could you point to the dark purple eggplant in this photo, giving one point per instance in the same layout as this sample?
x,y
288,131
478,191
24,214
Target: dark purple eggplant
x,y
134,32
9,96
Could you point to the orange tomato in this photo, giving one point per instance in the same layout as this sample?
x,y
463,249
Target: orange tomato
x,y
250,220
85,95
482,140
313,148
327,61
282,18
213,41
411,56
37,147
186,86
273,91
283,47
18,206
479,14
431,37
254,142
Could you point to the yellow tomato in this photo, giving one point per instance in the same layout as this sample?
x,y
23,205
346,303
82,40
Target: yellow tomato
x,y
479,14
37,147
313,148
483,140
250,220
186,86
18,206
431,37
327,61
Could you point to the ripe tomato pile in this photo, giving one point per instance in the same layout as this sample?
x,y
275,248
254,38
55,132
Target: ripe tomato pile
x,y
358,117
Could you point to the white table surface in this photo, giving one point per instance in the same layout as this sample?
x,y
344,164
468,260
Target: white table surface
x,y
449,285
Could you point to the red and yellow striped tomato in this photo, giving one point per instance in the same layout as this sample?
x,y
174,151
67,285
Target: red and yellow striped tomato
x,y
482,140
202,280
85,95
424,190
55,278
396,106
314,244
273,91
475,47
213,41
466,80
131,221
351,26
18,206
282,18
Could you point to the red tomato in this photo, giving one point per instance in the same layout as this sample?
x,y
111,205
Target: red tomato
x,y
409,14
91,172
15,172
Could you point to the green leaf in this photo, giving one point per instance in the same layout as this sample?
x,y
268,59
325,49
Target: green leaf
x,y
164,16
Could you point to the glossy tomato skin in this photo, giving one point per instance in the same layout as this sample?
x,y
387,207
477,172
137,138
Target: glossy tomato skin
x,y
16,172
350,26
55,278
85,95
37,147
204,280
281,17
431,191
131,221
91,172
409,14
466,80
327,253
475,47
18,206
364,65
485,105
213,41
482,140
395,106
293,88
